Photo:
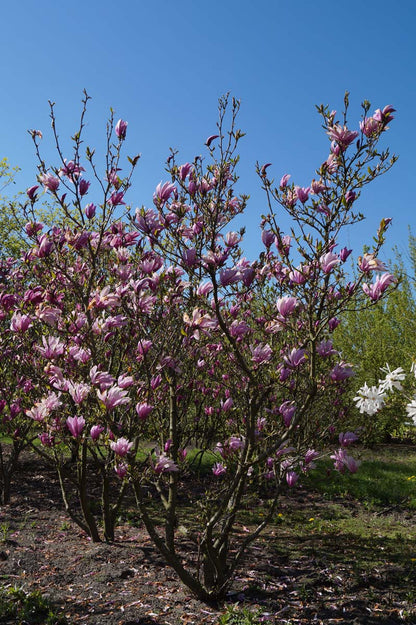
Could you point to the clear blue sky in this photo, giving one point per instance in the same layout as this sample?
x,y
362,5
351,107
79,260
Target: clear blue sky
x,y
162,66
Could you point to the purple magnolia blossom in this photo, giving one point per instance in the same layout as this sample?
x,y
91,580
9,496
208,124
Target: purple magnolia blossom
x,y
342,461
261,353
310,456
75,425
103,379
302,193
347,438
291,478
295,358
45,246
113,397
46,439
342,136
121,446
163,463
143,410
341,372
283,182
219,469
385,116
90,210
267,238
116,198
328,261
287,410
263,169
344,253
49,181
121,129
83,187
184,171
121,469
376,290
163,192
78,391
333,323
286,305
96,431
31,192
19,322
52,347
325,349
211,139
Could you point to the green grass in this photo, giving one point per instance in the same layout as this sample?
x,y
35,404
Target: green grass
x,y
20,608
386,477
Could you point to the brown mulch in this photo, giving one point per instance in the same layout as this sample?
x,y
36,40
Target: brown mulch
x,y
127,582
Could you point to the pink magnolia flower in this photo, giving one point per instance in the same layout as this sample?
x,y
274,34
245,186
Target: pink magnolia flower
x,y
263,169
90,210
19,322
261,353
370,127
83,187
78,391
227,404
163,192
121,469
347,438
52,347
163,464
341,372
45,246
310,456
376,290
121,446
46,439
333,323
184,171
113,397
344,253
49,181
287,410
283,182
302,193
219,469
75,425
31,192
103,379
71,170
143,410
329,261
121,129
291,478
325,349
96,431
267,238
385,116
286,305
116,198
295,358
342,461
210,140
342,136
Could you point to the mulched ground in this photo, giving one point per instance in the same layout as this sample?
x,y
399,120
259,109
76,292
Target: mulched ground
x,y
126,583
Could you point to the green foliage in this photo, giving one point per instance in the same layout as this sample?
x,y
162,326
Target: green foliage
x,y
21,608
388,480
385,333
237,616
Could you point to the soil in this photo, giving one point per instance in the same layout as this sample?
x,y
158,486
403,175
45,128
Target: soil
x,y
127,582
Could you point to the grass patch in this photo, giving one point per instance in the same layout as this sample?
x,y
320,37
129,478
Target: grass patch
x,y
21,608
385,478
